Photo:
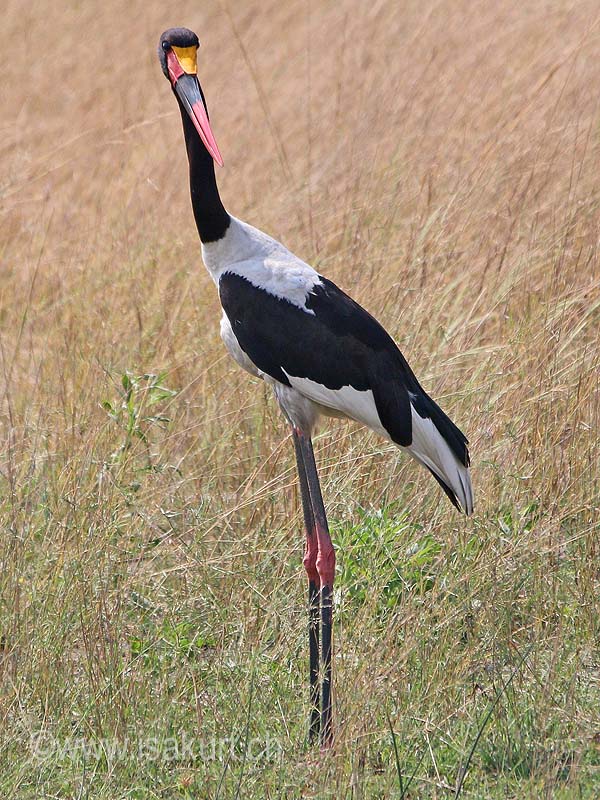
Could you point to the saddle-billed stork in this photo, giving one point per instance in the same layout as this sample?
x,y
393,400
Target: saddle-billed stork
x,y
319,351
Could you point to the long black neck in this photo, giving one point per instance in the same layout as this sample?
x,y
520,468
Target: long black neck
x,y
211,218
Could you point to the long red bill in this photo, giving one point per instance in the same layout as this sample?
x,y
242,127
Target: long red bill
x,y
202,125
188,91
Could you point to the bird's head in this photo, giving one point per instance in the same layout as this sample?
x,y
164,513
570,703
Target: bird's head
x,y
177,53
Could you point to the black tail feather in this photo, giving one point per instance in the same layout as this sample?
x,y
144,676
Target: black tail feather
x,y
447,490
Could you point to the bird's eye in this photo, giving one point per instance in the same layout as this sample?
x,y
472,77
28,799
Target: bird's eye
x,y
165,45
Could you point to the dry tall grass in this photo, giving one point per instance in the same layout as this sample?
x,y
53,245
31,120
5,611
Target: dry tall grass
x,y
440,161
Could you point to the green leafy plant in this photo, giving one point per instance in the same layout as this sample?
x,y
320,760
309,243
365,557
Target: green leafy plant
x,y
386,553
135,411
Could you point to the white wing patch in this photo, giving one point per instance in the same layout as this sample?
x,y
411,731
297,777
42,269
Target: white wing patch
x,y
289,281
358,405
260,259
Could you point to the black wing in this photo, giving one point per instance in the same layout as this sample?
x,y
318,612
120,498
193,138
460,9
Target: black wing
x,y
340,344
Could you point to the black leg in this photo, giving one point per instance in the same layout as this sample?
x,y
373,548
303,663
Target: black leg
x,y
313,643
310,564
326,623
326,569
